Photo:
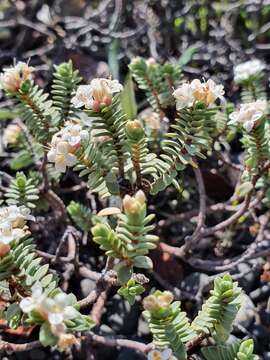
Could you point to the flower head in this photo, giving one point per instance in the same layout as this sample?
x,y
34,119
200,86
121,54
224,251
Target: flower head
x,y
98,93
12,78
64,144
196,91
59,309
11,133
160,355
12,223
158,300
33,302
247,70
54,310
133,204
249,115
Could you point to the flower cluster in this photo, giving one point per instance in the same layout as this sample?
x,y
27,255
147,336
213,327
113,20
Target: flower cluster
x,y
12,78
11,133
64,144
245,71
189,94
133,205
249,115
158,300
12,225
96,95
52,310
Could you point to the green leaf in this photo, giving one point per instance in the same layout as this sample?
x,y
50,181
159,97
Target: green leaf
x,y
6,114
13,311
113,58
244,189
143,262
221,352
22,160
124,273
45,335
187,55
128,99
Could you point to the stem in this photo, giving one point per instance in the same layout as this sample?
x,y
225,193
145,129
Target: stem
x,y
136,163
36,110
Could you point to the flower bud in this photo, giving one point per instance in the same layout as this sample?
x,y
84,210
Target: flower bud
x,y
134,130
4,249
151,61
13,78
140,197
158,300
11,133
165,299
150,303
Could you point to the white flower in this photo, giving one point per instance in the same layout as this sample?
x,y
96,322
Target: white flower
x,y
59,309
33,302
15,215
184,96
11,134
61,156
54,310
249,114
247,69
64,144
12,78
99,92
160,355
83,97
8,234
12,222
73,134
213,91
196,91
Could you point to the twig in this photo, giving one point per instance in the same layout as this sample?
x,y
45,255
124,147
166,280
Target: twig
x,y
202,208
131,344
7,346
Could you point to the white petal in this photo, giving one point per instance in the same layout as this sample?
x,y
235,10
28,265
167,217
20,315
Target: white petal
x,y
60,166
248,125
27,305
36,290
51,155
70,159
62,147
166,354
61,299
55,318
116,86
48,304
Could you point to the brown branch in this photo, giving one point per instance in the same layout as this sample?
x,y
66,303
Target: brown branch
x,y
202,208
7,346
111,342
195,342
